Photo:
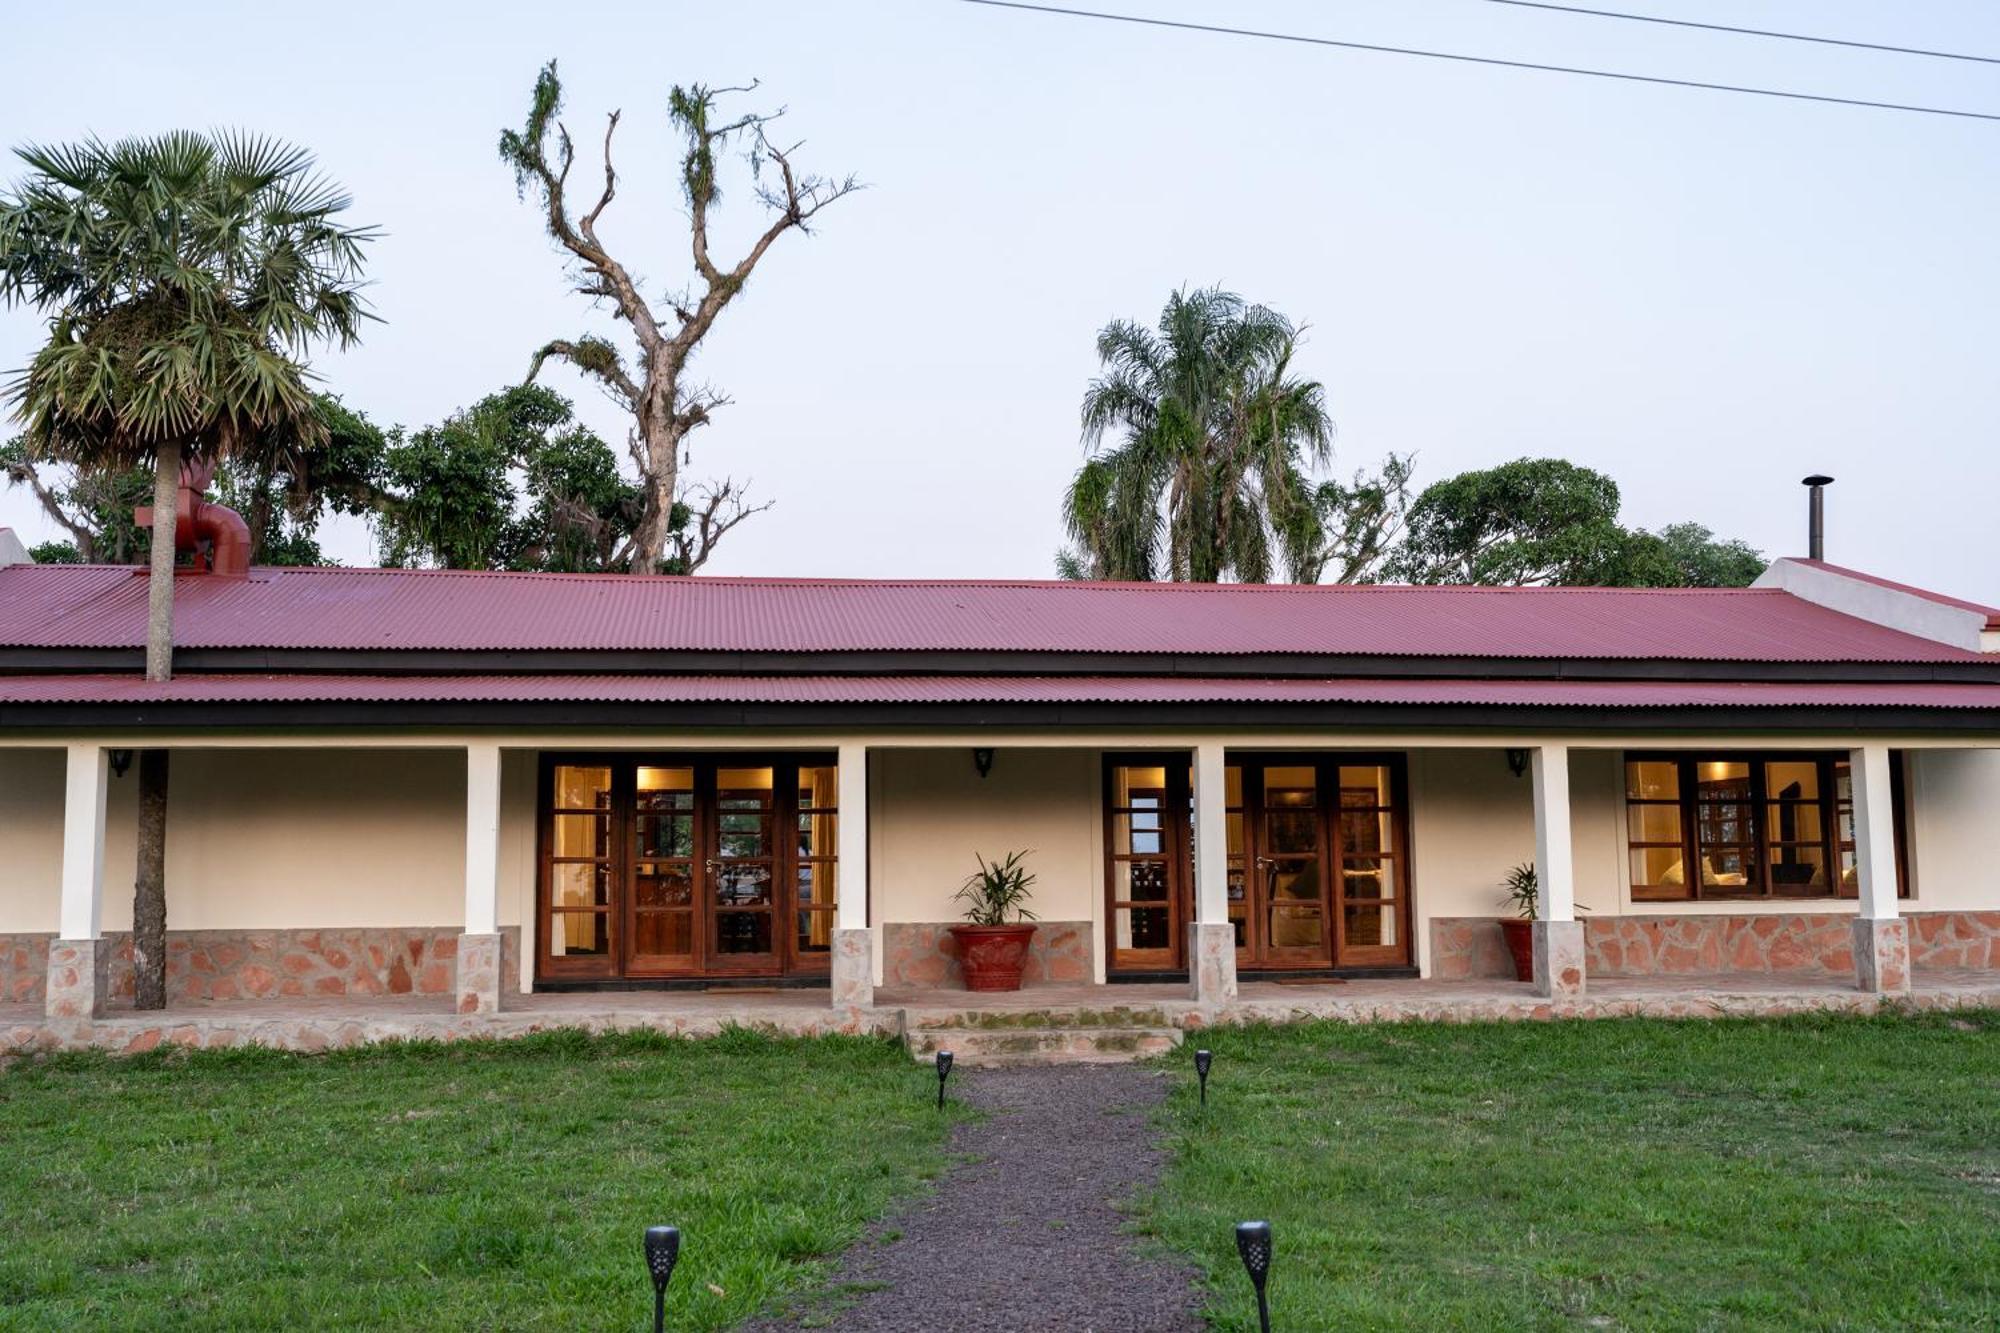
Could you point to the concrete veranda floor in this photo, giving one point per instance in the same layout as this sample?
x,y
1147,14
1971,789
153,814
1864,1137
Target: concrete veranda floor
x,y
324,1023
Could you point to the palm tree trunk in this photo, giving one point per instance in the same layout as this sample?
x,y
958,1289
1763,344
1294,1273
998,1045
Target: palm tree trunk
x,y
149,885
149,889
160,585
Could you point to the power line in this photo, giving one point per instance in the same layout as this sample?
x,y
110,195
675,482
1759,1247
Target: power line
x,y
1750,32
1486,60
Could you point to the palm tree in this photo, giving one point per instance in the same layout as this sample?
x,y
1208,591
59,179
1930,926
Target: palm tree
x,y
1210,477
184,278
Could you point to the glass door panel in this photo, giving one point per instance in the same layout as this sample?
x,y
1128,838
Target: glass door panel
x,y
664,831
743,869
817,849
1372,893
581,858
1291,866
1148,805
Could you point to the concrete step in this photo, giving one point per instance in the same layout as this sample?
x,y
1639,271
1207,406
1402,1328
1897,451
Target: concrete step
x,y
992,1047
938,1018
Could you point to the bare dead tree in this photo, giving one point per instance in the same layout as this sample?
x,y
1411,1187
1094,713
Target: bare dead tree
x,y
665,409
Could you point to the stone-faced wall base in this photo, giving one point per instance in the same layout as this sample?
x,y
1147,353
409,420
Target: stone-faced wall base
x,y
1559,959
478,974
1212,955
923,954
79,980
852,968
1662,944
1882,955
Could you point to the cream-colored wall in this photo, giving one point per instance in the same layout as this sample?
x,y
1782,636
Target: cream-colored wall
x,y
1472,820
930,811
31,819
269,838
1954,799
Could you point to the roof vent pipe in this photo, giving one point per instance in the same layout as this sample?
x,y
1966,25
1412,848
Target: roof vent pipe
x,y
1816,524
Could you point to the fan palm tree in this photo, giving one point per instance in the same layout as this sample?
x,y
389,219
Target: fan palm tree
x,y
184,278
1209,479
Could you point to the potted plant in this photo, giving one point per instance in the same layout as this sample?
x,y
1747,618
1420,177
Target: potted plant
x,y
1524,895
992,950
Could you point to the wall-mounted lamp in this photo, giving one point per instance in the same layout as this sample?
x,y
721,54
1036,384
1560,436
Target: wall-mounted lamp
x,y
982,760
120,761
1517,762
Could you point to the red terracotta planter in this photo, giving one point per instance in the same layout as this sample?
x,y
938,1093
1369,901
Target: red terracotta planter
x,y
1520,933
993,956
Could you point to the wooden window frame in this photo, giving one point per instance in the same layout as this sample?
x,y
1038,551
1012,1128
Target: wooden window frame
x,y
1176,854
1760,803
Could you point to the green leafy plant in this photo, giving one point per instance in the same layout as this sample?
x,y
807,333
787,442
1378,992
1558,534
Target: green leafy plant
x,y
998,888
1524,891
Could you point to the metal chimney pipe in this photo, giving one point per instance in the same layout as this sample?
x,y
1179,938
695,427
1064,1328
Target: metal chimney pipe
x,y
1816,529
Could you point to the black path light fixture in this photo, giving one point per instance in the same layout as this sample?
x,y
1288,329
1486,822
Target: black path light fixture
x,y
944,1072
663,1251
1253,1242
1202,1060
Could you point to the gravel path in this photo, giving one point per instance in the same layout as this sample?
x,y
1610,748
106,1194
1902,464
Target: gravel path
x,y
1026,1234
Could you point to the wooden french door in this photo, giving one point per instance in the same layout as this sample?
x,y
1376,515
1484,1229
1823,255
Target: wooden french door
x,y
1318,861
1149,839
687,866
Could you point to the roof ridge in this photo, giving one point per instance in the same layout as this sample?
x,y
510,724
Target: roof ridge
x,y
1070,585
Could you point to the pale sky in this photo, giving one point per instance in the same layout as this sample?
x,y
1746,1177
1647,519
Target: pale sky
x,y
1707,296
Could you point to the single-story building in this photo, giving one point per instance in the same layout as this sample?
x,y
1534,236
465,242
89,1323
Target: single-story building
x,y
488,786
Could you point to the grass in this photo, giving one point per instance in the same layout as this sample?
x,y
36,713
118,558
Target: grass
x,y
488,1186
1817,1173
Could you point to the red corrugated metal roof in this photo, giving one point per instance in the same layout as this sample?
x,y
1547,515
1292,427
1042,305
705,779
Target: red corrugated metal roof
x,y
921,690
51,606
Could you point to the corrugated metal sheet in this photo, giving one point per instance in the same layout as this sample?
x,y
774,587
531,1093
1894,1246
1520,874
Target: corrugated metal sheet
x,y
920,690
357,609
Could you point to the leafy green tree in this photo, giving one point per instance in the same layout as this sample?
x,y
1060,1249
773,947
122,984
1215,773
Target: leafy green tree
x,y
1207,479
184,278
1545,521
513,482
93,506
282,493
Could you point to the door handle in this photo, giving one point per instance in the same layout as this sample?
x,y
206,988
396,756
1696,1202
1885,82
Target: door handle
x,y
712,865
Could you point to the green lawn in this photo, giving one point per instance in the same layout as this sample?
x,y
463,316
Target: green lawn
x,y
1820,1173
488,1186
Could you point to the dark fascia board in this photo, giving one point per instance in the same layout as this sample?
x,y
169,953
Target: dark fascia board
x,y
410,716
51,661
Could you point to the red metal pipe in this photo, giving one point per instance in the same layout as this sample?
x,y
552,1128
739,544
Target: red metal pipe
x,y
216,533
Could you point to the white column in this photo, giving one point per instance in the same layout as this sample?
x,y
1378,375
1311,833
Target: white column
x,y
80,957
1559,961
1211,943
1555,874
1881,937
1211,837
479,964
852,966
851,869
1874,831
482,839
86,786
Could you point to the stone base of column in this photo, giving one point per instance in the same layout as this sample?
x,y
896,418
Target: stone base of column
x,y
79,979
1212,962
1559,959
1882,955
479,974
853,968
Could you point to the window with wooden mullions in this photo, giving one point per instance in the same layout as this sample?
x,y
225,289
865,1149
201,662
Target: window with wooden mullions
x,y
1746,826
